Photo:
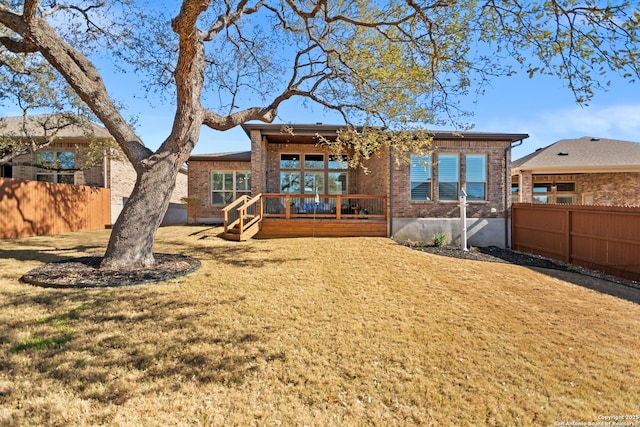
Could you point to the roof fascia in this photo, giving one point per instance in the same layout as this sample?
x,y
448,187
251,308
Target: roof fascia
x,y
312,130
577,169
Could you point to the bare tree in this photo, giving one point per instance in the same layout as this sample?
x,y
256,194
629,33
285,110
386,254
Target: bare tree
x,y
223,63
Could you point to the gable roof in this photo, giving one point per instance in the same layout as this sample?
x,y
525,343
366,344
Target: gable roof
x,y
586,154
52,125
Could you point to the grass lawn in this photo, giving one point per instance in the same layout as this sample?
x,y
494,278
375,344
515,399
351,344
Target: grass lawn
x,y
316,332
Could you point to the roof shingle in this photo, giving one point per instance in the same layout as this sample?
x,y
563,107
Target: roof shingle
x,y
582,154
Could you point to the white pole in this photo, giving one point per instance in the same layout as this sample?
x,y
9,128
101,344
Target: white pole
x,y
463,220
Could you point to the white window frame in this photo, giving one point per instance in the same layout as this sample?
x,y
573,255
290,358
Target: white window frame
x,y
425,177
57,174
441,181
234,192
476,179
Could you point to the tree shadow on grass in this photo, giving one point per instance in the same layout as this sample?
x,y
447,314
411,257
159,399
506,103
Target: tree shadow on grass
x,y
235,254
605,286
94,342
45,255
597,281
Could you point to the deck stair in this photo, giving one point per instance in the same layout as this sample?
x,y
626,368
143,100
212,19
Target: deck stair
x,y
243,218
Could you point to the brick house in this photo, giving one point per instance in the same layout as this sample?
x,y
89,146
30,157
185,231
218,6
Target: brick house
x,y
587,171
69,149
304,190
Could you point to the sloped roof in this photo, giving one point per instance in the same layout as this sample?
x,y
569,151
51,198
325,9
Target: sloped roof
x,y
234,156
48,125
301,132
586,154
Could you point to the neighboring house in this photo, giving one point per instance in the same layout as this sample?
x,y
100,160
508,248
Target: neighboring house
x,y
69,150
588,171
304,190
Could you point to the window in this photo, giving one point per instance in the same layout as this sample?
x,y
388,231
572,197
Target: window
x,y
565,192
314,161
565,199
313,175
290,182
562,192
515,192
228,186
476,176
314,182
420,177
56,166
243,184
337,182
5,171
448,175
541,192
338,162
336,176
289,161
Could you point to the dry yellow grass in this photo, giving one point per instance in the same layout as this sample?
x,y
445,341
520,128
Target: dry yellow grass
x,y
317,332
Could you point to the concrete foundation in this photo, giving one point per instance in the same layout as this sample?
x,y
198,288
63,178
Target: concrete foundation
x,y
481,232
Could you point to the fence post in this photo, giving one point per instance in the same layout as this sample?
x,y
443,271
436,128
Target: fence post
x,y
567,255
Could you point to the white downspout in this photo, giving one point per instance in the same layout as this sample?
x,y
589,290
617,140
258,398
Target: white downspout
x,y
507,190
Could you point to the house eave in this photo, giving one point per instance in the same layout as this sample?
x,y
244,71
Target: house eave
x,y
271,129
239,156
577,169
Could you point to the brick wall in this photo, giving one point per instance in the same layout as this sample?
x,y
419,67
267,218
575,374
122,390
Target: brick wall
x,y
181,191
93,176
612,188
122,178
258,163
608,189
374,179
272,165
199,186
493,207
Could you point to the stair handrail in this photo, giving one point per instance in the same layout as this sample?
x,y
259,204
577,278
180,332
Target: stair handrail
x,y
242,213
228,208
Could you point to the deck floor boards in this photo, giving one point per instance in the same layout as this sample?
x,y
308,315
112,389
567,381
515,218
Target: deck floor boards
x,y
279,228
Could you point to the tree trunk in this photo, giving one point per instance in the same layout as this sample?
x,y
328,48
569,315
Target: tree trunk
x,y
131,242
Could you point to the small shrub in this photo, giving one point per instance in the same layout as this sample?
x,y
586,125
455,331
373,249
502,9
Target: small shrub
x,y
440,239
417,245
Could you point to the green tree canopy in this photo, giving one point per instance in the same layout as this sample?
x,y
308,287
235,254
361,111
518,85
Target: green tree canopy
x,y
399,64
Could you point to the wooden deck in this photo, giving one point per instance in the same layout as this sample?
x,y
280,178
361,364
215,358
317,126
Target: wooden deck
x,y
273,228
270,216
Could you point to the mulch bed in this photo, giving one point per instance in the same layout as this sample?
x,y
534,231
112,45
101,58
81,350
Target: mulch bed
x,y
85,272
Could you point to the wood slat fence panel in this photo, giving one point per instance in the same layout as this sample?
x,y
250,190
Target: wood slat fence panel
x,y
605,238
31,208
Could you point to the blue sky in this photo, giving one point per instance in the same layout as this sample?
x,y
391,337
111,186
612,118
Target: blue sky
x,y
543,107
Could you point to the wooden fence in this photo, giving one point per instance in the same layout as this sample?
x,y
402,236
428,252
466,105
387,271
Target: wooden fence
x,y
31,208
605,238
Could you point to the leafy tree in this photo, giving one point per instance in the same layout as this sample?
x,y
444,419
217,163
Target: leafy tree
x,y
29,134
395,63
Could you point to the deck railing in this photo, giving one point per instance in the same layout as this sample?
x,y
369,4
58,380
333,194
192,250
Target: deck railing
x,y
327,206
242,214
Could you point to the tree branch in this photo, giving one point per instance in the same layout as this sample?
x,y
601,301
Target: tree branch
x,y
228,19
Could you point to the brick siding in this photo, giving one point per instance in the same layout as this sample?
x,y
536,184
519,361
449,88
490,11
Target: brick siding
x,y
607,189
265,168
199,186
493,207
93,176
